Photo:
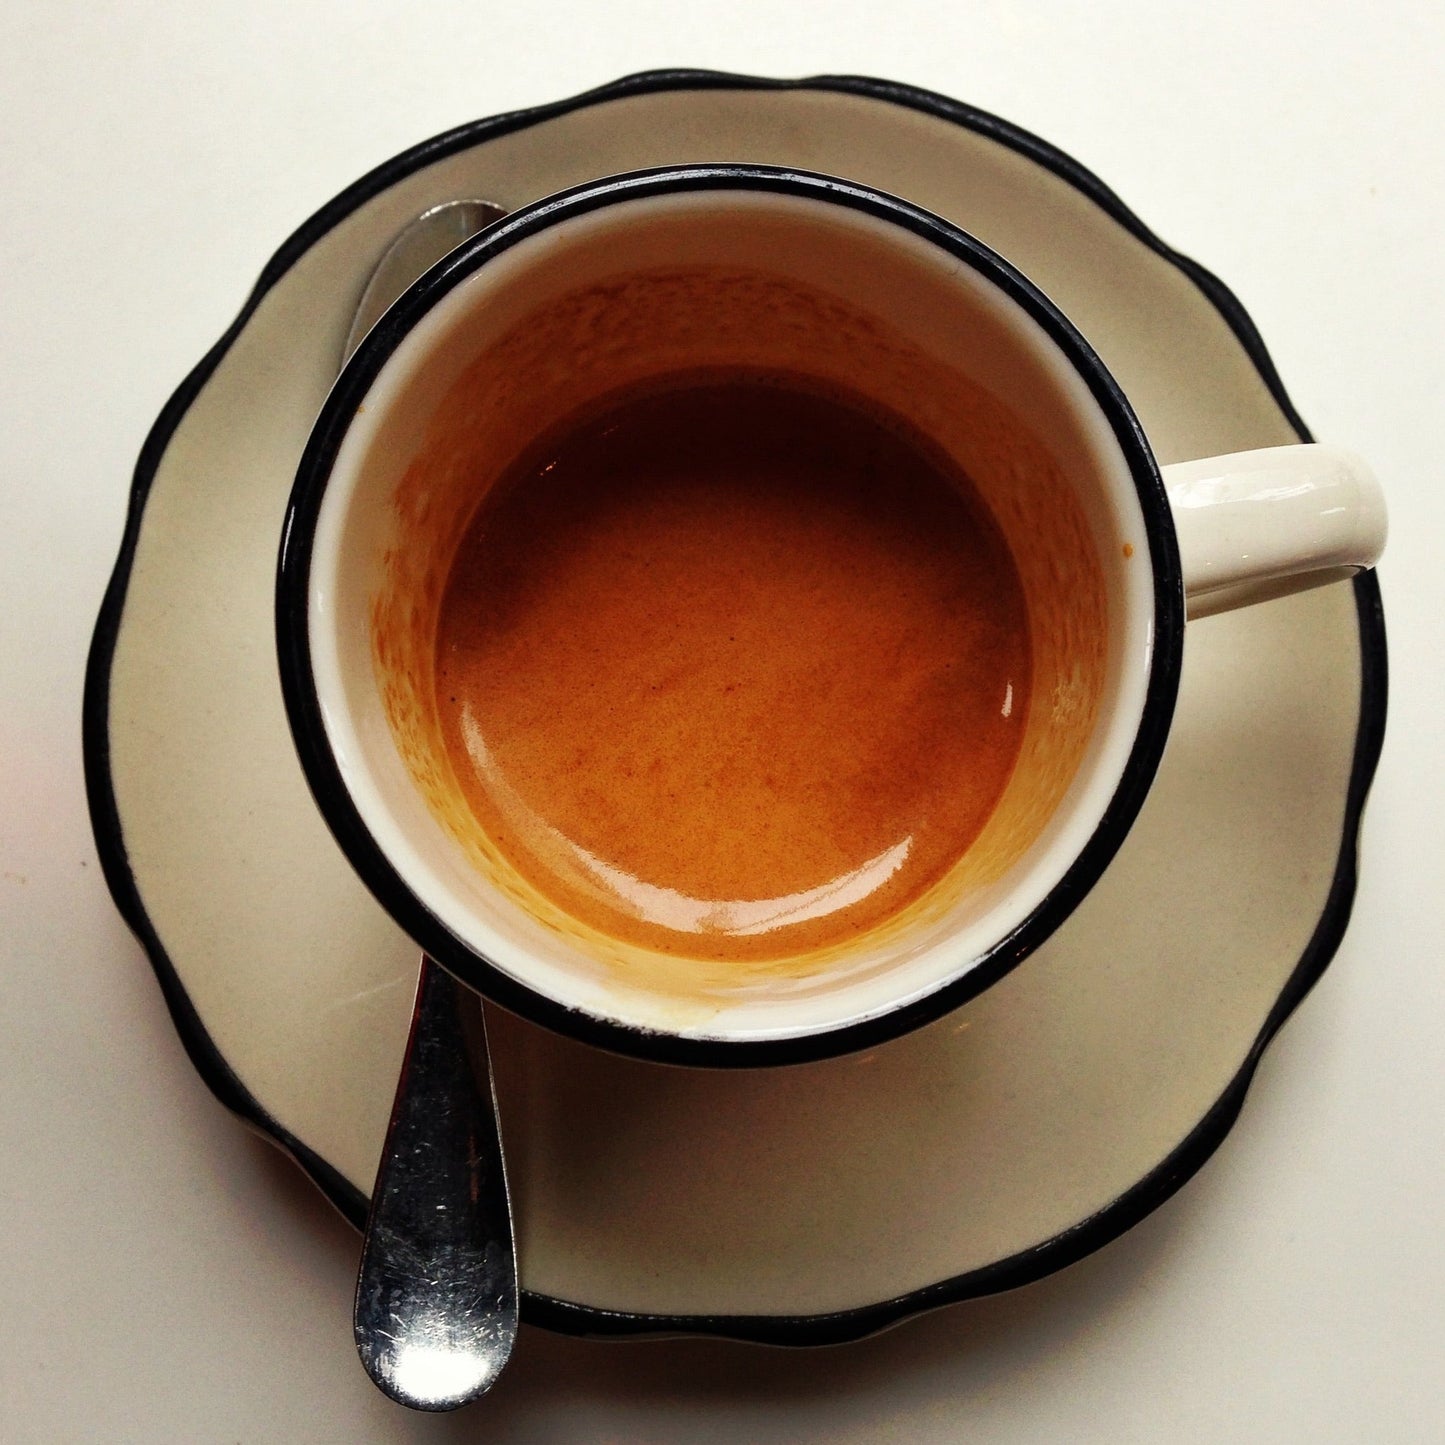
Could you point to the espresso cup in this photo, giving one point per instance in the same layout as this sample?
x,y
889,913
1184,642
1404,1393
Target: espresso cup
x,y
573,321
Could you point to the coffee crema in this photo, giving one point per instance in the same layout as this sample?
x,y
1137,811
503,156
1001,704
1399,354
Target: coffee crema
x,y
732,666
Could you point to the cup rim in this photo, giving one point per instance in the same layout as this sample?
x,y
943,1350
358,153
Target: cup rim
x,y
366,855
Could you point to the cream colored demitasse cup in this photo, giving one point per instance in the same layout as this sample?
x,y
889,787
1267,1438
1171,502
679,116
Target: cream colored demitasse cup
x,y
723,271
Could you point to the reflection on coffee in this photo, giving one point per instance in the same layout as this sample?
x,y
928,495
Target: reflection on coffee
x,y
732,667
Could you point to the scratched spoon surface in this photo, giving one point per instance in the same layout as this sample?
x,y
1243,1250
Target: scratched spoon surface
x,y
436,1292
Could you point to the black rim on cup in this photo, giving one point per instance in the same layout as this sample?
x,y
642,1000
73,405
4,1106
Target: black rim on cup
x,y
368,858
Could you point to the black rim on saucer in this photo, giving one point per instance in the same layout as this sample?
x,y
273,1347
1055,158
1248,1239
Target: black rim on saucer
x,y
305,712
1090,1234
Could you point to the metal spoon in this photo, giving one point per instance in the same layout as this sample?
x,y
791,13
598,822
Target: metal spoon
x,y
417,248
436,1293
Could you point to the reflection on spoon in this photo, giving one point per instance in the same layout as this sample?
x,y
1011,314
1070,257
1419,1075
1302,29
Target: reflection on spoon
x,y
436,1293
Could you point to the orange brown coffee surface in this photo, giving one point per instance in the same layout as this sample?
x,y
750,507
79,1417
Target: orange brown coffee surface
x,y
732,669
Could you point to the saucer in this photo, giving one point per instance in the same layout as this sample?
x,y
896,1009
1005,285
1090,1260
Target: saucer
x,y
805,1204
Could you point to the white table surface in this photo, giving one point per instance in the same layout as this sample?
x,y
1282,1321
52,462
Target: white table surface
x,y
168,1277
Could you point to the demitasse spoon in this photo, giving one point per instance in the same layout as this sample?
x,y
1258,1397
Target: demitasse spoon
x,y
436,1293
417,248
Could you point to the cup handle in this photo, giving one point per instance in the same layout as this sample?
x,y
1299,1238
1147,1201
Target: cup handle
x,y
1262,524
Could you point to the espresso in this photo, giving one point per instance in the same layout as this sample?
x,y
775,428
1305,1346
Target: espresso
x,y
732,668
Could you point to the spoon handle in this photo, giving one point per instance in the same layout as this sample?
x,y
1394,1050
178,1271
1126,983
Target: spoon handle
x,y
436,1296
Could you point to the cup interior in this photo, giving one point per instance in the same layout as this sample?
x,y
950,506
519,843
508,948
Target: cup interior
x,y
546,314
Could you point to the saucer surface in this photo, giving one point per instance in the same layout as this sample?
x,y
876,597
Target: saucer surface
x,y
821,1201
